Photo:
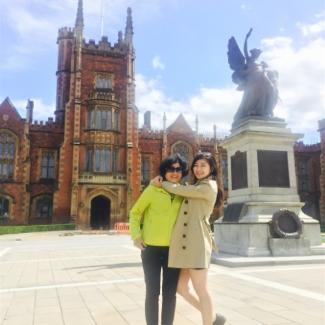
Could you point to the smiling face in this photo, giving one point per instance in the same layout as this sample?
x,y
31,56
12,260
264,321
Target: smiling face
x,y
174,173
201,169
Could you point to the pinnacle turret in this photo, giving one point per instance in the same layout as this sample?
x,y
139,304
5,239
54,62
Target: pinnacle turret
x,y
129,27
80,17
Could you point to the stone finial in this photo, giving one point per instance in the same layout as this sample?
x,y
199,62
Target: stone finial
x,y
80,18
147,120
196,124
164,122
29,111
120,37
129,27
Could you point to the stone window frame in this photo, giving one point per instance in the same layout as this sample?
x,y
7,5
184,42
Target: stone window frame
x,y
10,202
35,206
188,158
55,155
13,158
94,122
145,181
112,158
104,76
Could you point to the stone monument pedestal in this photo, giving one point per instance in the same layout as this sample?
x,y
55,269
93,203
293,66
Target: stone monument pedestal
x,y
262,181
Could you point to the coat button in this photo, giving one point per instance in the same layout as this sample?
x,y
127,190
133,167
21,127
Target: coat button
x,y
184,247
185,223
186,201
184,236
185,212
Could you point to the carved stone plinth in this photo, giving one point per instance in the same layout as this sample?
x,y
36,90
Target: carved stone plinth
x,y
262,181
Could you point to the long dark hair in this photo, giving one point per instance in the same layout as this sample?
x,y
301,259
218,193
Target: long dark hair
x,y
169,161
209,158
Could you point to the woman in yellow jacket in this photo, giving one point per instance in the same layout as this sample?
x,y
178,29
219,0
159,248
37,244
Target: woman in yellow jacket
x,y
192,242
152,219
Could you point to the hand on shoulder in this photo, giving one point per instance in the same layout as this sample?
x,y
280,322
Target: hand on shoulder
x,y
157,181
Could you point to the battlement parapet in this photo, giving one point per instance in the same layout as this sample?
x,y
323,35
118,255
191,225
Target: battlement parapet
x,y
48,125
65,32
150,134
105,46
301,147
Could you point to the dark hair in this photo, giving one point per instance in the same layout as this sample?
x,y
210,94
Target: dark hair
x,y
209,158
169,161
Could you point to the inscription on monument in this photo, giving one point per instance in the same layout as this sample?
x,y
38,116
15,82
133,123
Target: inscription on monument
x,y
239,170
273,168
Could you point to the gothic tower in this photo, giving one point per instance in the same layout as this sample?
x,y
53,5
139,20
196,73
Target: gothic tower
x,y
99,159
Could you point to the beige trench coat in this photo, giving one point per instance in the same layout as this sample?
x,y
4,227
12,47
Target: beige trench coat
x,y
192,241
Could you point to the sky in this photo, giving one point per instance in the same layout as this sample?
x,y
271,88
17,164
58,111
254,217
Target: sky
x,y
181,55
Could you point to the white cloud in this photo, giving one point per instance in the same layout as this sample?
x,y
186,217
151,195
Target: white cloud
x,y
212,106
312,29
301,82
31,26
157,63
301,90
41,111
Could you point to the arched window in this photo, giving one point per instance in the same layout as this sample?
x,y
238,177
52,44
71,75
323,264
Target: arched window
x,y
4,207
183,149
7,155
44,206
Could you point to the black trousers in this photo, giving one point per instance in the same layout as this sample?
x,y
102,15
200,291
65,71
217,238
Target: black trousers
x,y
155,260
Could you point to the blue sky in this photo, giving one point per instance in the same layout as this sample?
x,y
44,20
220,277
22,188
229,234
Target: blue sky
x,y
181,55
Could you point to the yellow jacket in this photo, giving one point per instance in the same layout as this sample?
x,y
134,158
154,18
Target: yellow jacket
x,y
156,211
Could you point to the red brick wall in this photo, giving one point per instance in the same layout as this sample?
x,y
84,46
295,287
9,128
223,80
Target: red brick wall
x,y
15,189
322,176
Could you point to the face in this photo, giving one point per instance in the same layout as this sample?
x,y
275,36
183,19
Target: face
x,y
174,173
201,169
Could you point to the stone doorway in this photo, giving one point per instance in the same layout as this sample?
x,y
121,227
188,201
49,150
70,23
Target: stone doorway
x,y
100,212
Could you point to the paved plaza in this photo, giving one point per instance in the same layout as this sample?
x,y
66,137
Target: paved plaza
x,y
76,278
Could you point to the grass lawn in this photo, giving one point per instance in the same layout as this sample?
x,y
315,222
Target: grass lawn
x,y
35,228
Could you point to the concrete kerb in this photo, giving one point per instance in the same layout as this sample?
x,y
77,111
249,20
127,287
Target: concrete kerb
x,y
242,261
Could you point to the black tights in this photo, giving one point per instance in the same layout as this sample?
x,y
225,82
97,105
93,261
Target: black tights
x,y
155,258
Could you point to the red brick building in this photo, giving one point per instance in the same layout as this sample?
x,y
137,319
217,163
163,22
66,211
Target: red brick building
x,y
89,164
322,168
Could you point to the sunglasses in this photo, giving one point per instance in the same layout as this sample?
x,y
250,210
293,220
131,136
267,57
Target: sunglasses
x,y
174,170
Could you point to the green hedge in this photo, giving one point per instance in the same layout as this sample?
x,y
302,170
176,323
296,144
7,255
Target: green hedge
x,y
35,228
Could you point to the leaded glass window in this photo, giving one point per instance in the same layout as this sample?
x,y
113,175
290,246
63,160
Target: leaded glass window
x,y
48,164
101,160
100,119
145,170
44,206
7,155
104,82
4,207
183,149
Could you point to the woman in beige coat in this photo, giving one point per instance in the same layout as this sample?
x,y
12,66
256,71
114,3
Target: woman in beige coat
x,y
192,242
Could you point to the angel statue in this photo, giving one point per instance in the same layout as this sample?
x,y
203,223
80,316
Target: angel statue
x,y
255,79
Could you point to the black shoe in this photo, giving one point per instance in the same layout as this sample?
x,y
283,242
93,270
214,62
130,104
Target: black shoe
x,y
220,320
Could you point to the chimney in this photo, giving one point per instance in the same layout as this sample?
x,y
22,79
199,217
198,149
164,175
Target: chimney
x,y
147,120
29,111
